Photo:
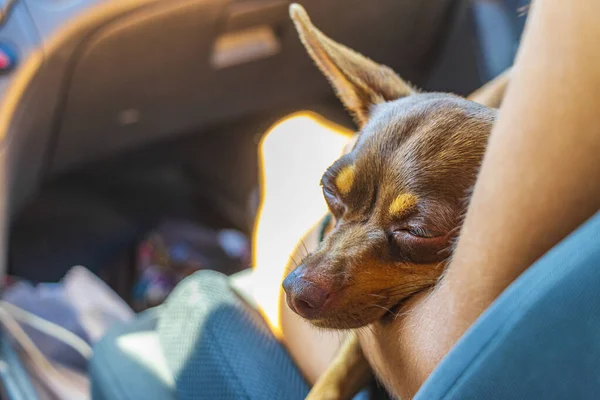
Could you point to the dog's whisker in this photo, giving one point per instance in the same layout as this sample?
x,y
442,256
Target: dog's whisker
x,y
370,328
383,308
400,290
405,284
404,287
400,312
410,287
305,248
293,259
393,297
394,300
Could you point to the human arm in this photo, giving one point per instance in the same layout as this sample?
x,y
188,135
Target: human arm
x,y
538,182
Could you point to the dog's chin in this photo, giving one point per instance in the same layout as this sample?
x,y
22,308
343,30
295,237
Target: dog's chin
x,y
347,319
359,316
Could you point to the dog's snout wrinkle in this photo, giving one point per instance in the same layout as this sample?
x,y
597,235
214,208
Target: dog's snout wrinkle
x,y
353,240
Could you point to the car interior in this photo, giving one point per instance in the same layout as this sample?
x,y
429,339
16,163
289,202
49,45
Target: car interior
x,y
117,114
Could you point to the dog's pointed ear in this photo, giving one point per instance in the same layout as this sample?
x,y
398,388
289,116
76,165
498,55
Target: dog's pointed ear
x,y
359,82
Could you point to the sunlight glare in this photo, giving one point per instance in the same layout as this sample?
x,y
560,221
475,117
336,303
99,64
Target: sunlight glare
x,y
294,154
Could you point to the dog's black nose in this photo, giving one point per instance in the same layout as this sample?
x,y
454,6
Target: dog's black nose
x,y
304,297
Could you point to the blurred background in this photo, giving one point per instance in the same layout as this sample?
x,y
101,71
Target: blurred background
x,y
118,115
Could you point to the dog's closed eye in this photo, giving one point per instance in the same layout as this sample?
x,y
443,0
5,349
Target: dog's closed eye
x,y
333,200
417,244
416,231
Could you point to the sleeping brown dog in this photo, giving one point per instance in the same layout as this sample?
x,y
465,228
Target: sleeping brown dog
x,y
396,200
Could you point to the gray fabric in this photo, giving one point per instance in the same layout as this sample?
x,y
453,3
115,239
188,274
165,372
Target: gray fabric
x,y
119,372
220,349
204,343
214,347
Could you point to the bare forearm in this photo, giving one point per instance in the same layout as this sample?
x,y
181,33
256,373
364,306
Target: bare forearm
x,y
539,178
538,182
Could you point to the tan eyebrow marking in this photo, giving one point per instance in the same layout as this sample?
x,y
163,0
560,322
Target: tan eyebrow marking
x,y
402,203
345,179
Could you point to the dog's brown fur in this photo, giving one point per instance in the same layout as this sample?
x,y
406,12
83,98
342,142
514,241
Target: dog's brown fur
x,y
397,197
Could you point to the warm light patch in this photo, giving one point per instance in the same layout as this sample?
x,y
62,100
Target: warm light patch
x,y
289,182
402,203
345,179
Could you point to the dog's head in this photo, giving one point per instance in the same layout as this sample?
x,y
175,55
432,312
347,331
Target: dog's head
x,y
397,197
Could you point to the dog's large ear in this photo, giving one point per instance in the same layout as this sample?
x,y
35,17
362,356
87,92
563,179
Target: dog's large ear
x,y
359,82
